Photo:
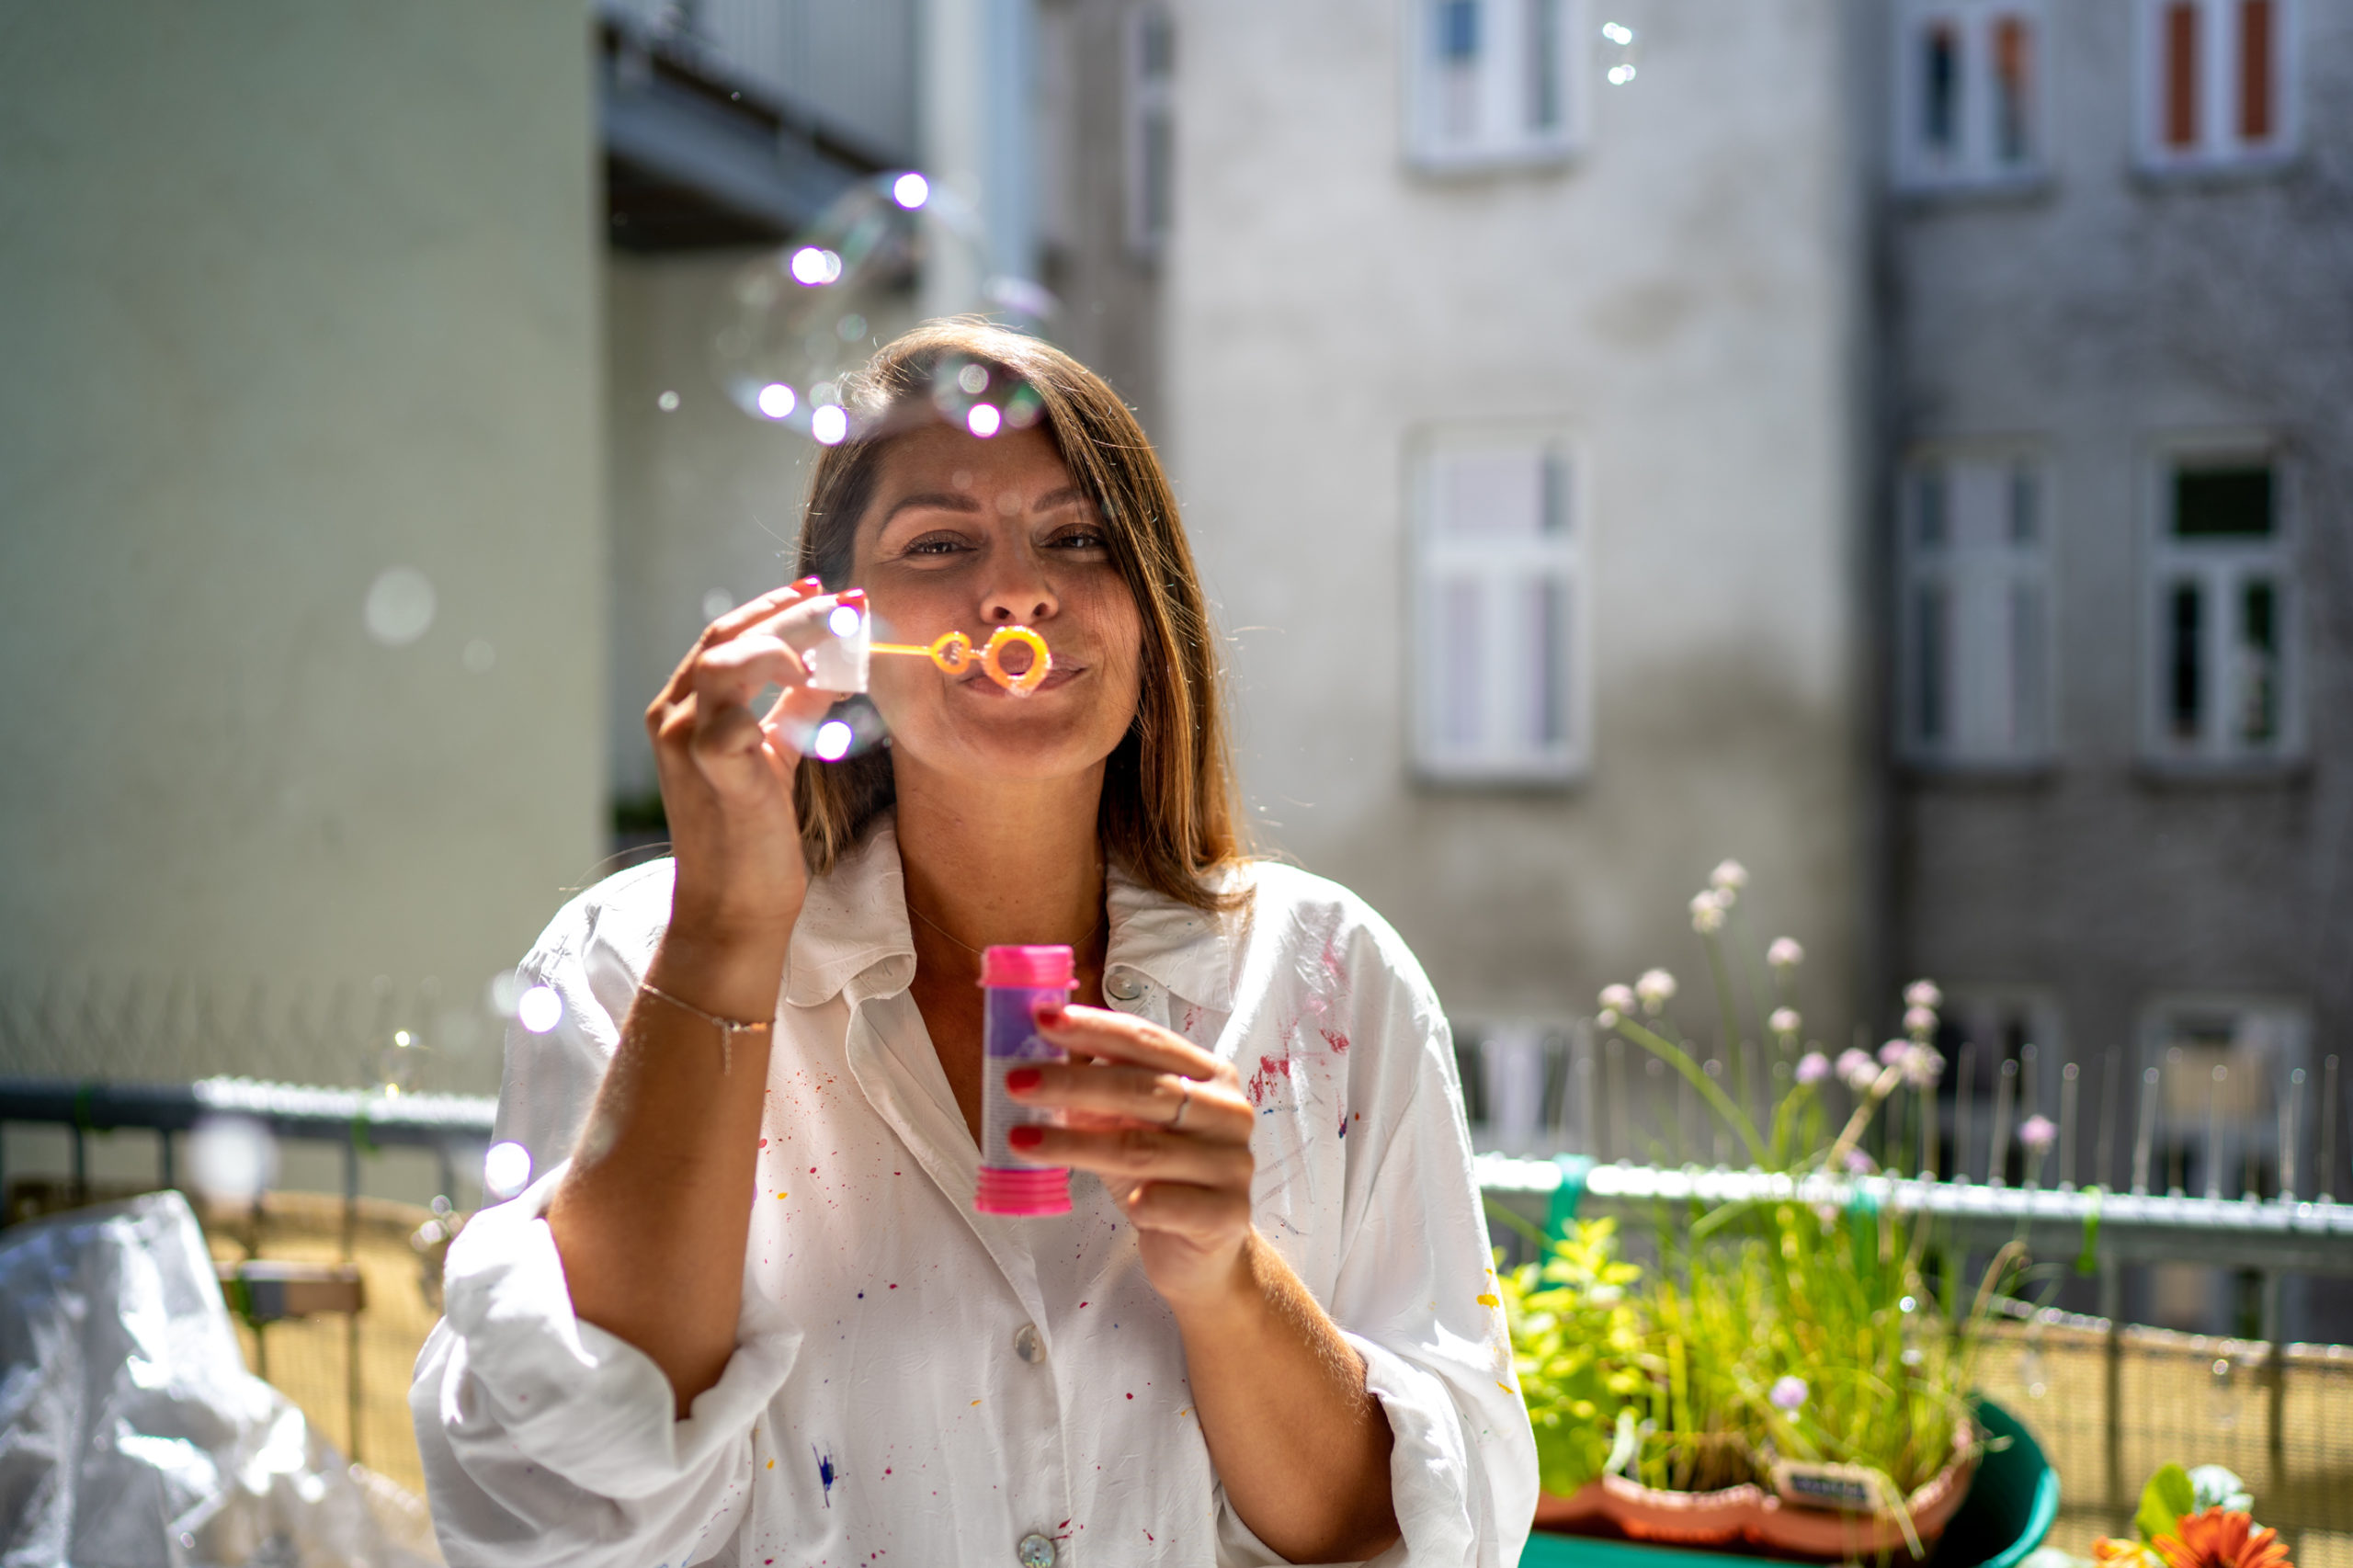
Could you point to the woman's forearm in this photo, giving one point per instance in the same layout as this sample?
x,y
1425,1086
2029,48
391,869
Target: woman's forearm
x,y
1300,1445
651,1219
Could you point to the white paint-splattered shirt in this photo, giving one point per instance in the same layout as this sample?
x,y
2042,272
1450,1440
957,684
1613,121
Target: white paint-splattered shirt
x,y
917,1384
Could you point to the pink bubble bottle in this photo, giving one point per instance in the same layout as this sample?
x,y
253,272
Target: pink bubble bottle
x,y
1016,983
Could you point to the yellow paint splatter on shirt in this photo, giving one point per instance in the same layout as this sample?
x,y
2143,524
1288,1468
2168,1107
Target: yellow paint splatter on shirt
x,y
1487,1299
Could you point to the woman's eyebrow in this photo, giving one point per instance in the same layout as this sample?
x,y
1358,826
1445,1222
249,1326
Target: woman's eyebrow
x,y
932,500
1069,494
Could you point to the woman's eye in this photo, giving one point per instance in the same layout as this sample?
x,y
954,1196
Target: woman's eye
x,y
1081,539
937,544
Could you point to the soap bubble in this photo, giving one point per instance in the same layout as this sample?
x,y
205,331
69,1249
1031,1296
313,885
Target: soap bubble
x,y
1620,52
667,402
716,603
801,316
540,1010
399,606
973,378
505,993
400,1064
505,1171
231,1159
851,728
843,621
480,656
984,420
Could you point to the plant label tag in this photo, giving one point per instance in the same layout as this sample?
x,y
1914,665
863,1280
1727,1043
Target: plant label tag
x,y
1850,1489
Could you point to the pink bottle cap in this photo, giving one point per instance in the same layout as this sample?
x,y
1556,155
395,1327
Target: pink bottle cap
x,y
1039,1192
1040,969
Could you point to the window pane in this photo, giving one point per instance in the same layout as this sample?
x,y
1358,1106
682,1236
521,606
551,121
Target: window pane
x,y
1458,31
2028,679
2258,663
2254,70
2180,48
2186,707
1460,687
2221,503
1931,503
1940,88
1548,624
1543,64
1495,494
2025,523
1456,47
2013,82
1931,631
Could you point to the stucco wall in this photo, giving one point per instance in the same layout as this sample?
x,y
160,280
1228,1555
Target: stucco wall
x,y
291,294
1683,301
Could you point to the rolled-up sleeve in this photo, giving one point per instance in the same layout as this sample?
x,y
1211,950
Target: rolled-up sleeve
x,y
546,1439
1416,1297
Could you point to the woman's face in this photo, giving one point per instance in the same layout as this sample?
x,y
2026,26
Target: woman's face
x,y
969,535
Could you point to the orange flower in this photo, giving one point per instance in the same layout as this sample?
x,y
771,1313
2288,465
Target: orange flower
x,y
2217,1538
2109,1552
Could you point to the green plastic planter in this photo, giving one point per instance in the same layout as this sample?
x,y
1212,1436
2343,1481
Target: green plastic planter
x,y
2009,1509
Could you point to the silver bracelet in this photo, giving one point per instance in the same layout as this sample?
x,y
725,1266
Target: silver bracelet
x,y
728,1028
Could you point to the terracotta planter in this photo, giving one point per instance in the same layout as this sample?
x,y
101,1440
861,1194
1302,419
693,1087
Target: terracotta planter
x,y
1750,1516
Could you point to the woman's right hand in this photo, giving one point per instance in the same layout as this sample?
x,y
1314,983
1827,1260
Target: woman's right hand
x,y
726,778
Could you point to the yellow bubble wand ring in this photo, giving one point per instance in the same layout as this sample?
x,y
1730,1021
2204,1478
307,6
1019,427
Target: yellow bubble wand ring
x,y
953,654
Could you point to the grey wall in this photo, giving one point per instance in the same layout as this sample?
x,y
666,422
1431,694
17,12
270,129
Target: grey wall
x,y
2095,316
1684,301
292,293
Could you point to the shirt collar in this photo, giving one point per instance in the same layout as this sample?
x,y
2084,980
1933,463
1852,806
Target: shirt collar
x,y
853,936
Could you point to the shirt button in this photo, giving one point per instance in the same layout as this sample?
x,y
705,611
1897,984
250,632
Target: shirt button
x,y
1028,1345
1036,1551
1123,988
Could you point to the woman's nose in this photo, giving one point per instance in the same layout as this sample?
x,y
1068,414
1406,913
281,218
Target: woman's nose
x,y
1020,595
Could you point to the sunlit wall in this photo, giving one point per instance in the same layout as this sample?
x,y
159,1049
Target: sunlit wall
x,y
302,573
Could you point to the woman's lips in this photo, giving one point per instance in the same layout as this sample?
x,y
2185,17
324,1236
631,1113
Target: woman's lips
x,y
1063,671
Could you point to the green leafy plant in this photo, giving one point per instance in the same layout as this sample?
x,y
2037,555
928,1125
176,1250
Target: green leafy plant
x,y
1821,1330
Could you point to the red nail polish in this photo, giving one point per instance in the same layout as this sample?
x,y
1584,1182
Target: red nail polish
x,y
851,596
1024,1137
1021,1080
809,583
1050,1015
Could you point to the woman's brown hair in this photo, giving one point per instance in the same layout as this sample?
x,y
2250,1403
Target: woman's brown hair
x,y
1168,814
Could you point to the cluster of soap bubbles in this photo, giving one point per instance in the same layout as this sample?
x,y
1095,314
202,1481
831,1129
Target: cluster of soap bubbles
x,y
795,322
1620,52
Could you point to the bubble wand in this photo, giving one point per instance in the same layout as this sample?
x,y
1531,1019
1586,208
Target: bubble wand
x,y
953,654
834,635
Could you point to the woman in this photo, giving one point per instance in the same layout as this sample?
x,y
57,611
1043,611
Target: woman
x,y
753,1318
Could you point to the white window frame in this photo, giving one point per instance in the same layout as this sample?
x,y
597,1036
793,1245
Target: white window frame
x,y
2218,146
1150,102
1976,163
1438,558
2221,569
1498,89
1999,603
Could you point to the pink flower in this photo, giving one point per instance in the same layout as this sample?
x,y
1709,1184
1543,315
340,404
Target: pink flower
x,y
2037,1134
1812,1067
1855,1069
1920,1022
1923,993
1788,1393
1784,1021
1923,1065
1858,1163
1893,1051
1785,953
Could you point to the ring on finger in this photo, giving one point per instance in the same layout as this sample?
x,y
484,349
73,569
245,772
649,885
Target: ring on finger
x,y
1184,1103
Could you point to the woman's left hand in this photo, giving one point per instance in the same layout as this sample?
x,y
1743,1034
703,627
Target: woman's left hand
x,y
1166,1127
